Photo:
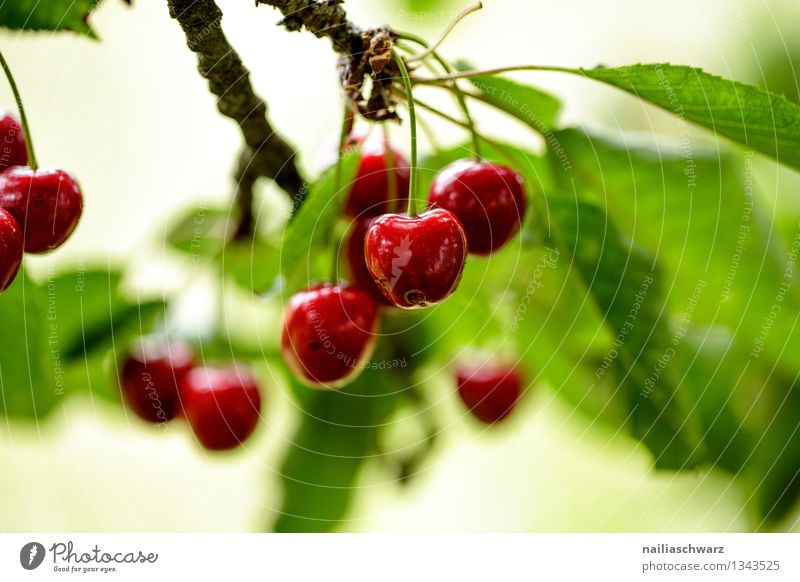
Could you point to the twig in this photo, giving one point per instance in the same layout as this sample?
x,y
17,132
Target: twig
x,y
457,91
431,49
266,153
26,130
488,72
323,19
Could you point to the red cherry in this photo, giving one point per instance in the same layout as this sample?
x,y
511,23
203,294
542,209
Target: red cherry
x,y
151,374
369,195
47,204
329,332
10,249
12,142
359,274
222,405
488,199
490,391
416,261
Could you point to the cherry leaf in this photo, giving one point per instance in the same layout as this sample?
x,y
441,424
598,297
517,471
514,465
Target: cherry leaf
x,y
48,15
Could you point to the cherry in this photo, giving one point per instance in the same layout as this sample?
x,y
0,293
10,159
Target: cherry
x,y
416,261
12,142
369,195
488,199
222,405
47,203
151,374
329,332
10,249
490,391
359,274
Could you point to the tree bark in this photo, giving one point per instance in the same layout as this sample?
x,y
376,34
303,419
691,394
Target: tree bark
x,y
265,152
324,18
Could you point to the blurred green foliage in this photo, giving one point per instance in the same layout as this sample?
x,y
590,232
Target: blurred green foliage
x,y
48,15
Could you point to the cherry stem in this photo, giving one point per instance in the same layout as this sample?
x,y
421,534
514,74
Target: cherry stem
x,y
348,118
412,121
23,118
344,131
430,50
462,102
489,72
476,144
457,122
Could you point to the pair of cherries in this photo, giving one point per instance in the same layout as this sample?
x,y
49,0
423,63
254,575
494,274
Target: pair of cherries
x,y
39,207
475,207
161,380
330,330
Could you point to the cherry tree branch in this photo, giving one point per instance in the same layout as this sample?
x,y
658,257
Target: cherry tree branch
x,y
323,18
265,152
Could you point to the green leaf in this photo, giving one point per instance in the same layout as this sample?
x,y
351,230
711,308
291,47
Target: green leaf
x,y
31,364
87,318
95,375
82,302
252,264
564,319
530,105
90,310
52,15
625,285
763,121
773,474
701,214
310,228
523,294
720,382
337,435
95,370
200,231
426,11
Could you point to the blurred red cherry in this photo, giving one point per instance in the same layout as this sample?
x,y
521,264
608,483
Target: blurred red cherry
x,y
151,374
490,391
488,199
222,405
370,193
357,265
329,332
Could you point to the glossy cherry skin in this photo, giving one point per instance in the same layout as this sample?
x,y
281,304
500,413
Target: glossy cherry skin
x,y
488,199
151,375
416,261
490,391
357,265
369,195
47,204
329,332
221,405
11,248
12,142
